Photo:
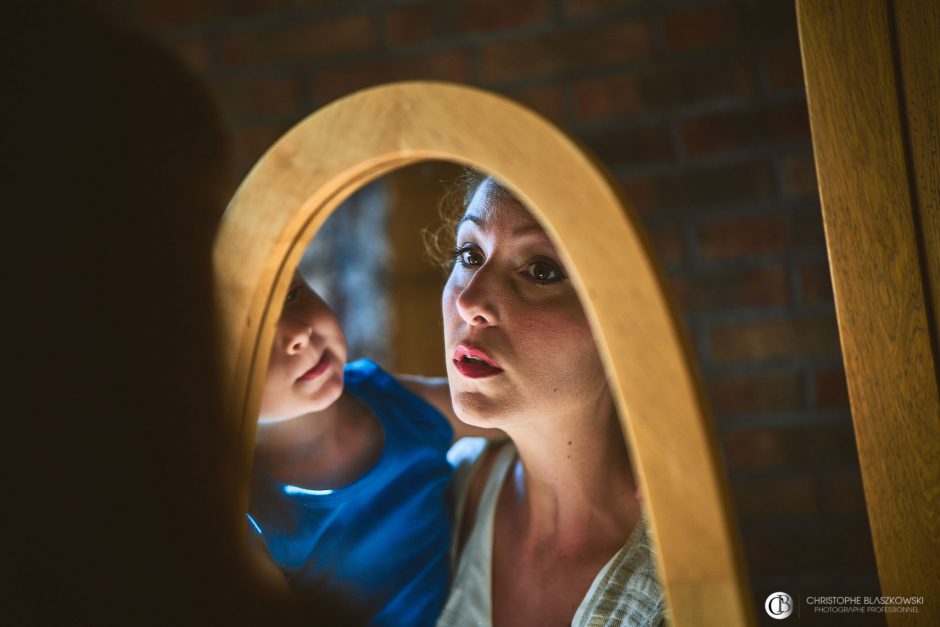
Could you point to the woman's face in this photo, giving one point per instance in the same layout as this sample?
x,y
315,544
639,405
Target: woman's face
x,y
518,347
305,373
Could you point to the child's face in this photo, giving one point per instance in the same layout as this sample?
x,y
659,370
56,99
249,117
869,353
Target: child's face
x,y
305,373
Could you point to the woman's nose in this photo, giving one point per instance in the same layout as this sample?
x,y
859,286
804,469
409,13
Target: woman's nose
x,y
476,302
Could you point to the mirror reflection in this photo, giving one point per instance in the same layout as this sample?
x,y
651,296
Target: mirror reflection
x,y
500,494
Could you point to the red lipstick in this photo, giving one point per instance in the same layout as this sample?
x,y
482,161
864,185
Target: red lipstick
x,y
474,363
318,369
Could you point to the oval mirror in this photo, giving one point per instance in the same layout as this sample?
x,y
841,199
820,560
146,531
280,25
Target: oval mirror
x,y
322,161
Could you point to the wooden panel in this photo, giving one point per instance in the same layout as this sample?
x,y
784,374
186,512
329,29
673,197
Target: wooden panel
x,y
871,235
416,283
918,35
295,186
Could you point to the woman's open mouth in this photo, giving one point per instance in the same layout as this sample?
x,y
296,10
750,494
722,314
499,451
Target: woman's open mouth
x,y
318,369
474,363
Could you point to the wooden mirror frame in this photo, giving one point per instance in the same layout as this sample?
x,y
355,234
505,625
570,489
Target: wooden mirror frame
x,y
298,183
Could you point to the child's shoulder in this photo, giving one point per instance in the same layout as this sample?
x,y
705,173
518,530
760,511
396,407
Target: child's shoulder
x,y
366,377
362,369
419,399
432,391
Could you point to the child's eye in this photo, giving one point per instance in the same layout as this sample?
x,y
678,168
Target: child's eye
x,y
293,294
542,271
468,256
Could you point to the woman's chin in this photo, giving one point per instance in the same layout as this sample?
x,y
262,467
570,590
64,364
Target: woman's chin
x,y
481,410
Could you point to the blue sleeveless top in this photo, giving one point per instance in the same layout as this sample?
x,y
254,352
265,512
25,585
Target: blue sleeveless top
x,y
384,539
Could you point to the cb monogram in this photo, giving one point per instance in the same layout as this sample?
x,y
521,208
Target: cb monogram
x,y
779,605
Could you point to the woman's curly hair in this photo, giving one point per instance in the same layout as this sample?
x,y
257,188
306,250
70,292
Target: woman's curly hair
x,y
439,239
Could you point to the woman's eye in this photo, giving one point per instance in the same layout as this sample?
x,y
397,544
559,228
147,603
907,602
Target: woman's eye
x,y
292,294
545,272
468,256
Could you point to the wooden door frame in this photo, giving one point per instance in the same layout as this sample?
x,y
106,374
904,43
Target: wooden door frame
x,y
872,71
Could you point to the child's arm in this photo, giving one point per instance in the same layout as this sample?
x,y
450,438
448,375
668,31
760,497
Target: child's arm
x,y
435,392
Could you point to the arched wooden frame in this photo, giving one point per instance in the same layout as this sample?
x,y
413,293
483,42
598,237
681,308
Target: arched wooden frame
x,y
297,184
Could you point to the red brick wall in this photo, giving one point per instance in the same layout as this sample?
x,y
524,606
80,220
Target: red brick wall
x,y
698,108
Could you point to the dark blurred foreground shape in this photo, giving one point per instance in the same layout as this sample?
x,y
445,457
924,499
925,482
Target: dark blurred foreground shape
x,y
117,505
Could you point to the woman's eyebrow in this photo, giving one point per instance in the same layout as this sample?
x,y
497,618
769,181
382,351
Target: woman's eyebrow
x,y
533,228
525,229
469,218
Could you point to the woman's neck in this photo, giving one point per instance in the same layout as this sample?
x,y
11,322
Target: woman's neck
x,y
573,477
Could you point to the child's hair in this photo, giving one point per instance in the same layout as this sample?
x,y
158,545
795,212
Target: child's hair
x,y
439,239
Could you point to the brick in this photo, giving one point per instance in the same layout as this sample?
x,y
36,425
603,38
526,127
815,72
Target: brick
x,y
729,131
332,83
845,582
424,21
746,236
488,15
785,69
172,13
194,52
561,51
776,339
803,447
667,244
168,13
247,8
647,144
606,97
832,392
807,230
761,235
707,186
766,20
248,98
315,3
411,23
546,99
316,39
699,81
776,497
579,8
844,495
816,284
700,27
252,142
799,175
813,550
755,448
244,8
778,391
621,94
730,289
639,194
